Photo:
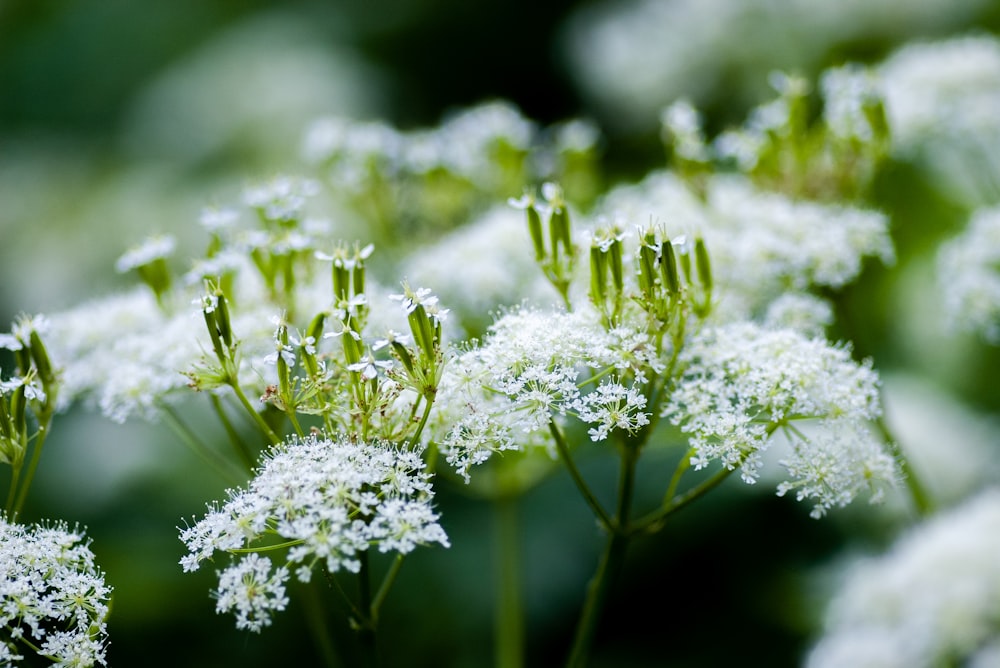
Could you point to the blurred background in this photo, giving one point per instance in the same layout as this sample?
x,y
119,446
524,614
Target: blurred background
x,y
119,119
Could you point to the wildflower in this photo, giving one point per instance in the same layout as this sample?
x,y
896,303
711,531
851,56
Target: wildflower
x,y
929,601
742,382
53,598
611,405
253,591
503,393
969,276
333,498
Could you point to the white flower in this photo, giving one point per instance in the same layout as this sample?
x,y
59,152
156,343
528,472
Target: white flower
x,y
283,198
335,497
933,599
52,595
969,276
502,394
251,590
741,382
369,367
762,244
611,405
154,248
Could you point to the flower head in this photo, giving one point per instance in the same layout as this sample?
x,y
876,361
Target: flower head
x,y
331,498
53,598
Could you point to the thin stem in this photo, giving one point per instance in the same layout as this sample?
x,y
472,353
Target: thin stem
x,y
609,565
581,484
509,615
295,423
317,622
383,590
202,451
415,438
366,626
239,445
918,492
682,467
255,415
654,520
36,455
12,493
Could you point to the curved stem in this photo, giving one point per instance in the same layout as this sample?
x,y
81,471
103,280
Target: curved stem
x,y
682,466
918,492
581,484
509,615
202,451
653,521
239,445
609,565
415,438
383,590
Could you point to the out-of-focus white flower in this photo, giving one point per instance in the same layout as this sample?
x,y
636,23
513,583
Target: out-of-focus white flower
x,y
969,275
763,244
633,58
941,99
932,599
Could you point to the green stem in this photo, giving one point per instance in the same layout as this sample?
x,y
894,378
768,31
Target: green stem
x,y
36,455
12,493
653,521
295,423
202,451
317,622
254,414
415,438
581,484
366,626
239,445
509,615
383,590
918,492
675,480
609,565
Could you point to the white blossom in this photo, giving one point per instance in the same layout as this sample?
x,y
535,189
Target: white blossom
x,y
742,382
334,497
52,594
154,248
932,599
502,394
969,276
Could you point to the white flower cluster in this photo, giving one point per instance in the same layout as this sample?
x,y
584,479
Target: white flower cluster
x,y
531,367
481,266
969,275
941,99
932,600
125,356
160,247
465,144
742,382
53,598
763,245
326,500
633,58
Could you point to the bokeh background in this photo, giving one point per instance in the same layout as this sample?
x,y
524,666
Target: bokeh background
x,y
121,118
